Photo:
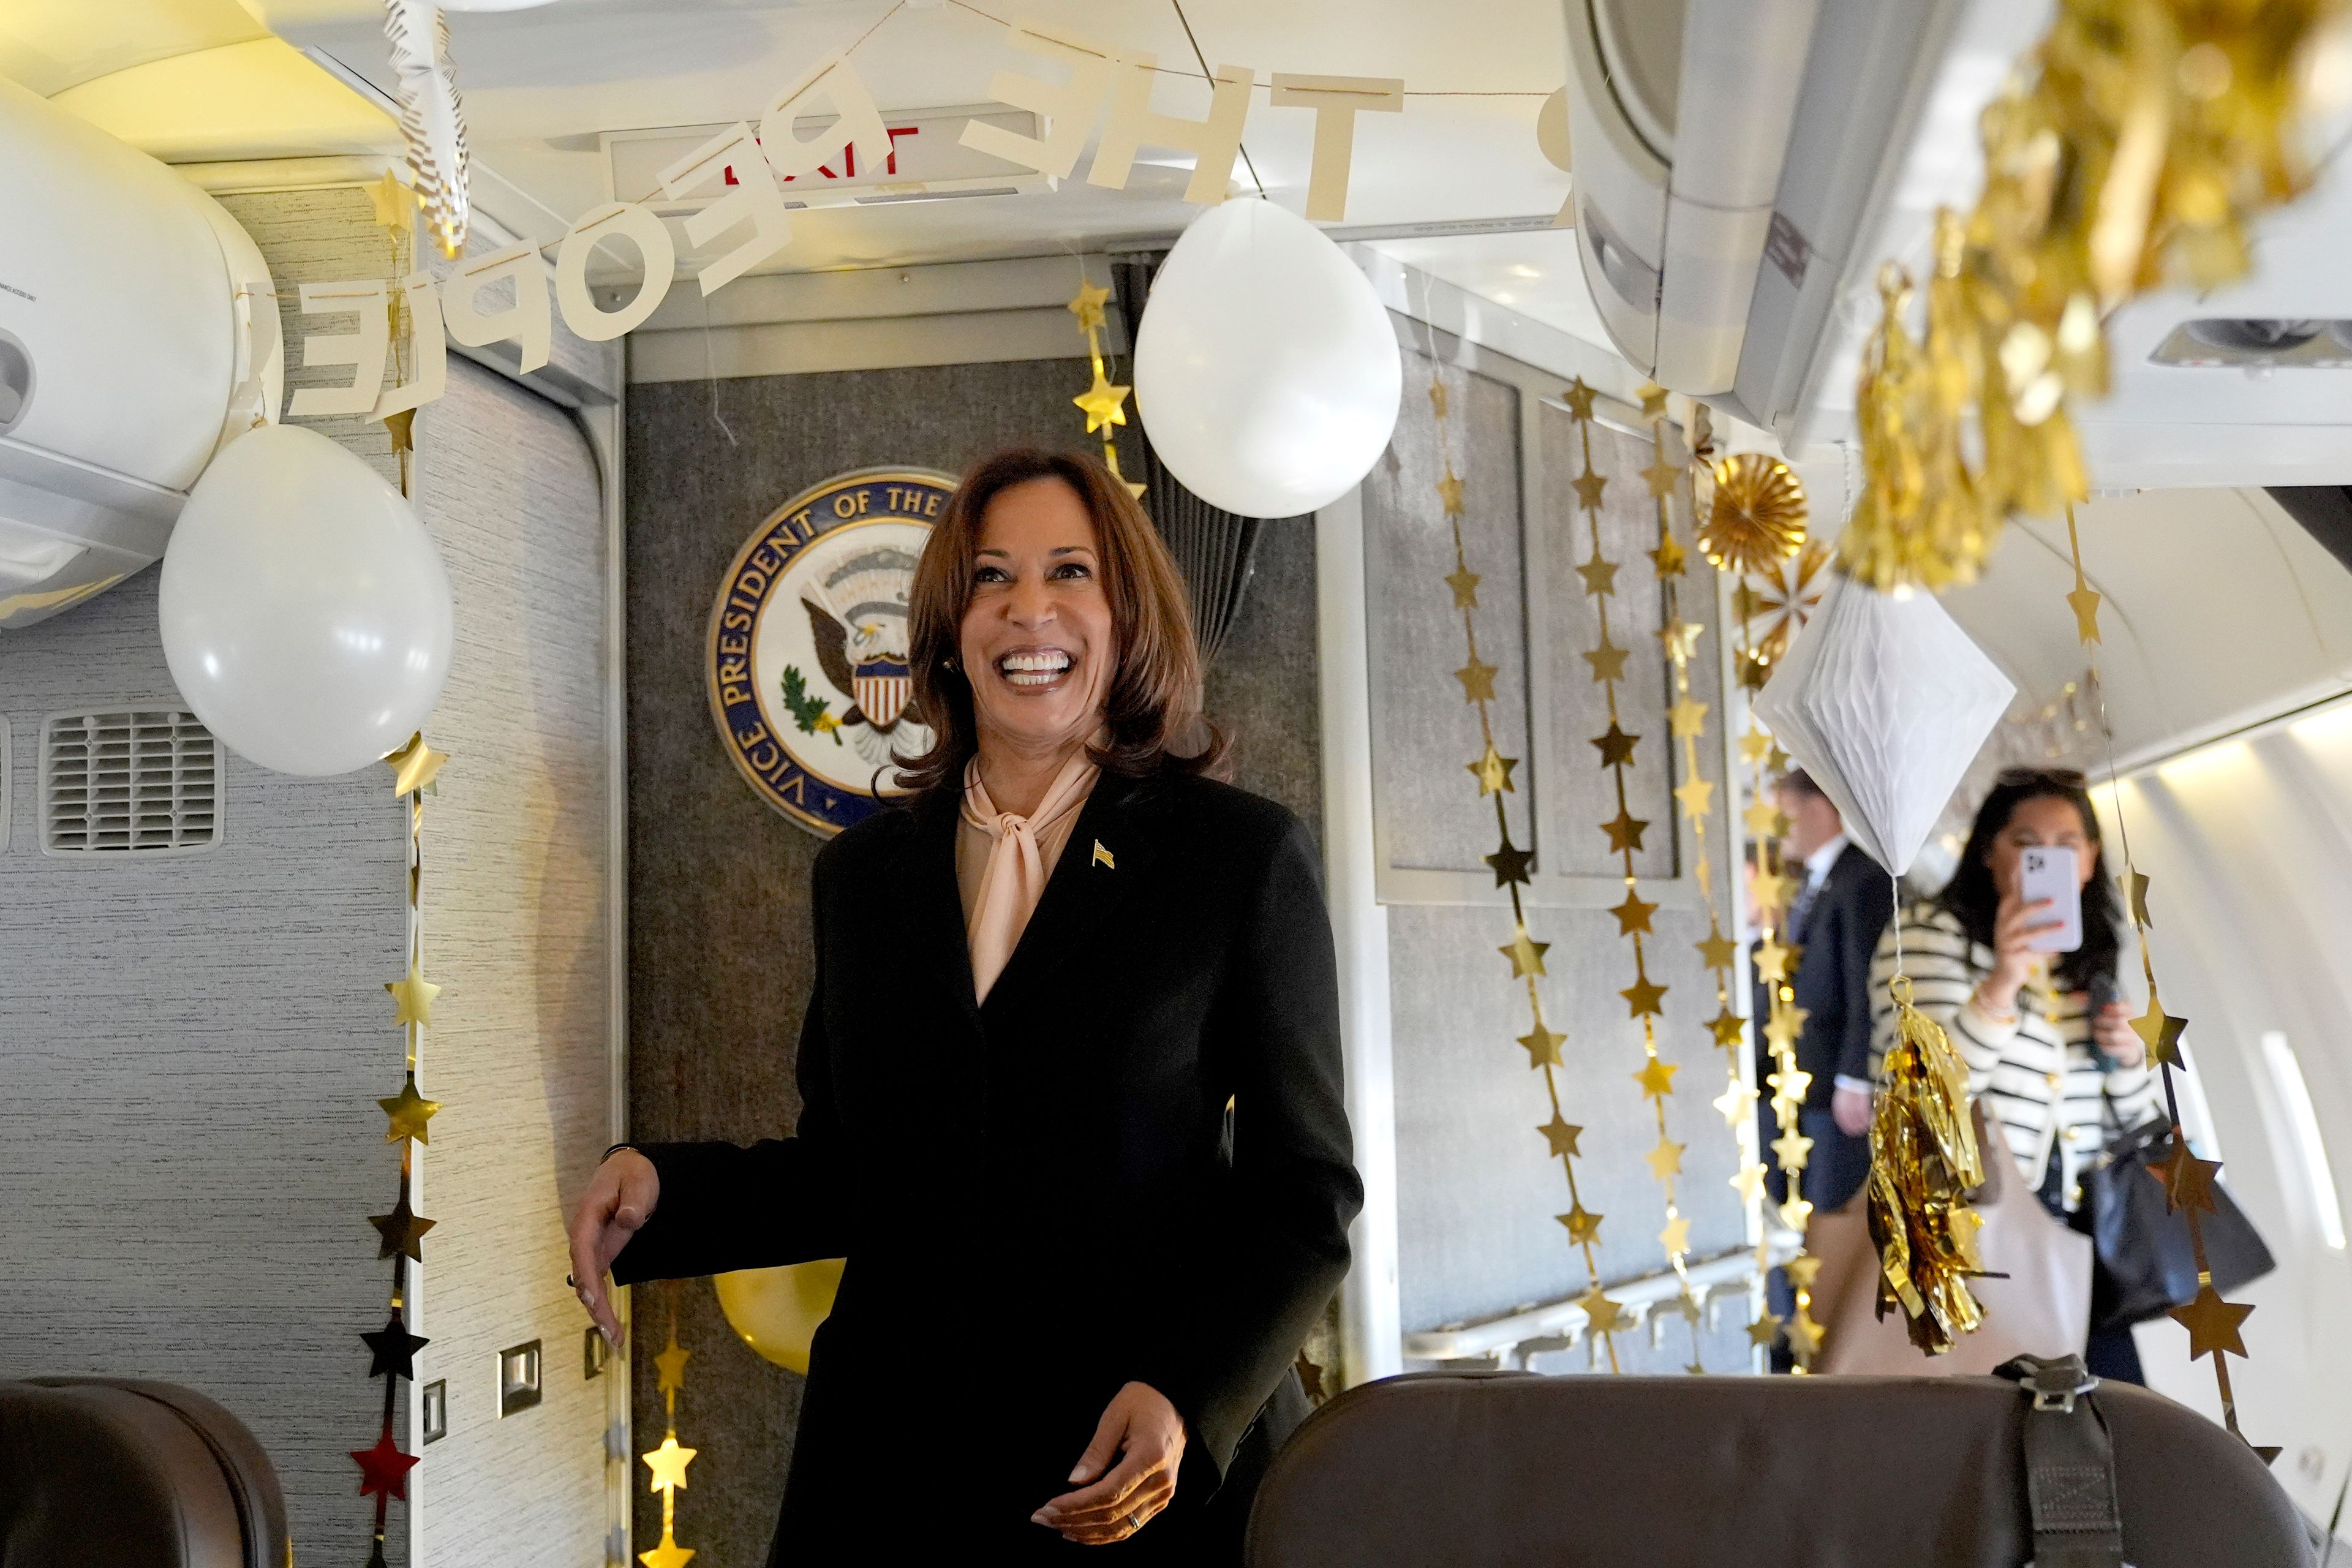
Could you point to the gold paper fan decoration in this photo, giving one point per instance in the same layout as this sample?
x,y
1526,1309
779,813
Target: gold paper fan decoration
x,y
1758,519
1783,598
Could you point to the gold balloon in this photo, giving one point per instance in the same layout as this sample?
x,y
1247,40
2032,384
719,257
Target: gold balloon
x,y
776,1311
1758,518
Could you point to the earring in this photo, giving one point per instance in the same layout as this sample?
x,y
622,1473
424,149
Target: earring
x,y
949,662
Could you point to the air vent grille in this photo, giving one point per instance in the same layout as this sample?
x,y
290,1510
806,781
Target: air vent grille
x,y
129,783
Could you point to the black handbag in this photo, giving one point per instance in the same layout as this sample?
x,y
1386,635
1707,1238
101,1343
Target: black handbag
x,y
2147,1266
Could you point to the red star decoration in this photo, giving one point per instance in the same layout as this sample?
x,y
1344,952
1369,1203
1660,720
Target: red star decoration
x,y
384,1469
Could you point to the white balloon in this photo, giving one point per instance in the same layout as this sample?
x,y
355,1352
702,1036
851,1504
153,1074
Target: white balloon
x,y
305,612
1266,372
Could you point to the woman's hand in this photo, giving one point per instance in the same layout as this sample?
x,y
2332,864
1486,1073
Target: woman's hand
x,y
620,1198
1147,1435
2014,926
2112,1032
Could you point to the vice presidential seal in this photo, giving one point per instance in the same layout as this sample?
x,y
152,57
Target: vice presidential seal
x,y
810,682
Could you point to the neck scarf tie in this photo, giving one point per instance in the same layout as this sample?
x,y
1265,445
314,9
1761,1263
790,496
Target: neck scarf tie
x,y
1015,880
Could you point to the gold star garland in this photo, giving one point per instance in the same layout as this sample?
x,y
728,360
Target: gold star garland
x,y
1103,403
668,1461
2212,1322
1645,999
1686,722
383,1469
1509,863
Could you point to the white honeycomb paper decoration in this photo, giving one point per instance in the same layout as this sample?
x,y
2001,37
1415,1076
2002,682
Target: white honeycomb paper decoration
x,y
1886,702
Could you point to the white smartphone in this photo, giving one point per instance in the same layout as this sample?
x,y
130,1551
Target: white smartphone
x,y
2051,871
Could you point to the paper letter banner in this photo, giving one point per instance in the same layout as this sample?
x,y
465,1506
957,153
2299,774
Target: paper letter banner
x,y
1216,142
755,199
429,369
525,321
1069,110
1335,101
857,123
618,220
365,350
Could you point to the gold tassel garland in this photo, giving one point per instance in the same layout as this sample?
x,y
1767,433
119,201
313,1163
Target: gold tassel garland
x,y
1924,1160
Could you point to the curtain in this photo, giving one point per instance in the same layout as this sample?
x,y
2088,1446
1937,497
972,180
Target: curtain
x,y
1212,548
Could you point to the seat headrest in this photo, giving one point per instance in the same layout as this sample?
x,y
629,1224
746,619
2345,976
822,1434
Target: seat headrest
x,y
1481,1470
101,1473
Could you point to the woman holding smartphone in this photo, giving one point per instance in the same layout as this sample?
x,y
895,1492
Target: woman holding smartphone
x,y
2051,1051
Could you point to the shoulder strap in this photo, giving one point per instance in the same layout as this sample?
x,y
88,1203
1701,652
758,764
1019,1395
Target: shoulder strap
x,y
2070,1465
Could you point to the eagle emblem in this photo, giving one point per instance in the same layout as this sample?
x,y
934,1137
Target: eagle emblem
x,y
811,685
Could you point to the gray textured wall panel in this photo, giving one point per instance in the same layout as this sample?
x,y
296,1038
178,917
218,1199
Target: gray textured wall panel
x,y
718,916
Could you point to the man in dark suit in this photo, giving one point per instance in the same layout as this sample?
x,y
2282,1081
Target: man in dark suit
x,y
1842,903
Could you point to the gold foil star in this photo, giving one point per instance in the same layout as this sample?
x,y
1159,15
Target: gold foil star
x,y
667,1463
1665,1160
1578,398
2160,1032
1804,1337
2135,891
1600,576
412,998
1729,1029
2085,600
1765,1328
1654,400
1493,771
1583,1224
1717,951
415,766
2188,1181
669,1554
1525,956
1087,304
1588,486
1785,1026
2212,1323
1802,1271
1103,403
409,1111
1687,719
1542,1046
1755,745
1663,476
1607,662
402,1232
1773,888
1675,1238
1793,1149
394,204
1788,1088
1764,819
1449,494
1656,1078
1796,1211
1668,557
1616,746
1634,915
1465,583
670,1367
1697,795
1601,1315
1437,397
1749,1182
1624,831
1510,863
1561,1135
1771,959
1680,639
1738,1102
1477,680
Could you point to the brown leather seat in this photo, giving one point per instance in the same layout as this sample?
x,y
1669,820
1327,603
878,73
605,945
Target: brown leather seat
x,y
101,1473
1511,1470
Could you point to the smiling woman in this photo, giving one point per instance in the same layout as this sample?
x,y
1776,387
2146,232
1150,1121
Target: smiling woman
x,y
1099,1091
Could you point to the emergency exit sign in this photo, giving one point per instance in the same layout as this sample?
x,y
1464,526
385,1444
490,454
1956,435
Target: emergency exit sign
x,y
927,159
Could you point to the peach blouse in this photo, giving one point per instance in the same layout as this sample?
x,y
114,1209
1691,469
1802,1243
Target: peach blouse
x,y
1003,861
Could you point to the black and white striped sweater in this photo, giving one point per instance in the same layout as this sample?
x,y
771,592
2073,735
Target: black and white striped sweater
x,y
2038,1078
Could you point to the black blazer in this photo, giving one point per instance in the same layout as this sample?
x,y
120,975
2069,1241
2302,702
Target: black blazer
x,y
1842,931
1043,1197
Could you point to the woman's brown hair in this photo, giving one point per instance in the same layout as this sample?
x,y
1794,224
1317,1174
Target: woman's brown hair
x,y
1152,705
